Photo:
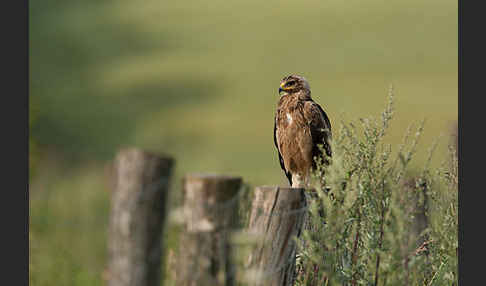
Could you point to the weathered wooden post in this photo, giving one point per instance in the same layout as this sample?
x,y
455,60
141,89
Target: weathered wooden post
x,y
417,194
210,215
137,216
277,217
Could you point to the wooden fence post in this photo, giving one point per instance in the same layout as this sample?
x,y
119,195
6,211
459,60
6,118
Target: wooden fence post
x,y
137,216
210,214
277,217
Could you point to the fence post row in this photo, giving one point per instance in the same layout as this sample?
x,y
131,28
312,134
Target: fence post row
x,y
210,210
210,213
137,217
277,216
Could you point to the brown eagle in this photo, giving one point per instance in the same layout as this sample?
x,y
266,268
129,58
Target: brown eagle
x,y
300,126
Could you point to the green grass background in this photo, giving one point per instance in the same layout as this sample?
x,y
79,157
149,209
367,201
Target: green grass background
x,y
198,80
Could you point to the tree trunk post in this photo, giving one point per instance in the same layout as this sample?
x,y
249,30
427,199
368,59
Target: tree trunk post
x,y
277,218
210,212
137,217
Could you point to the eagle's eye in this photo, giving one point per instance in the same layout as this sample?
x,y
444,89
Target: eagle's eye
x,y
290,83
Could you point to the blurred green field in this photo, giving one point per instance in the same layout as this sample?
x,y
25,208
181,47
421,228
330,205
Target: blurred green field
x,y
198,80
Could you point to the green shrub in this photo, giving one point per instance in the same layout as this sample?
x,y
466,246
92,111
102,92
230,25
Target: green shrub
x,y
374,221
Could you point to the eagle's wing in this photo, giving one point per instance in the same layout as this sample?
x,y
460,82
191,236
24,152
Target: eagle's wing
x,y
320,127
282,165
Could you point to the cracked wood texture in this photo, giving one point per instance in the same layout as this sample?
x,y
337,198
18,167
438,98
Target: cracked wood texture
x,y
137,217
277,217
210,215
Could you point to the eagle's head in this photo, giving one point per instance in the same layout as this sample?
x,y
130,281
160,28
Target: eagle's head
x,y
294,84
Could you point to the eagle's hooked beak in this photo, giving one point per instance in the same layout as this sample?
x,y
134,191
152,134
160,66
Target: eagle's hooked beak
x,y
281,88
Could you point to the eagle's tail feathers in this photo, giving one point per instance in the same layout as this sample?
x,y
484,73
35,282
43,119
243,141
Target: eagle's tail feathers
x,y
289,177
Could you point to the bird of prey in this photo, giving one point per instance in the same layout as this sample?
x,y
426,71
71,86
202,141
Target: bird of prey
x,y
300,126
